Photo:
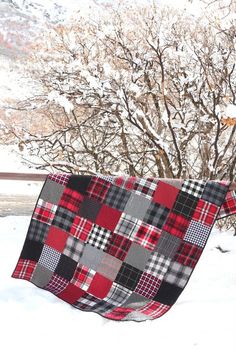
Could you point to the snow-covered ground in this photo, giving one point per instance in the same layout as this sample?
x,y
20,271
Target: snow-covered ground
x,y
202,320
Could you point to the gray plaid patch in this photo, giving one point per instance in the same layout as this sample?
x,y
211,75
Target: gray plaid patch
x,y
117,197
156,215
127,226
157,265
99,237
49,258
103,307
214,193
63,219
74,248
178,274
38,231
118,294
168,244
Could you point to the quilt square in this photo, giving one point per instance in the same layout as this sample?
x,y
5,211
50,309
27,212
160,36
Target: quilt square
x,y
154,309
52,192
205,212
41,276
31,250
56,238
71,293
156,215
24,269
137,256
188,254
168,244
63,219
193,187
71,200
56,284
157,265
91,257
44,212
103,307
98,189
167,293
73,248
125,182
81,228
197,233
117,197
79,184
83,277
87,302
99,286
214,193
108,217
49,258
60,178
135,301
128,276
176,225
137,206
66,267
109,266
165,194
118,313
37,231
148,285
185,204
147,236
99,237
118,246
89,209
128,226
178,274
145,187
228,208
118,294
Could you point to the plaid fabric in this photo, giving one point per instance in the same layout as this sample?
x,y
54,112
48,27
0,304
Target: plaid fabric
x,y
123,247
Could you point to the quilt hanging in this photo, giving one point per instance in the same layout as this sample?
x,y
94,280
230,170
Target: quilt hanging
x,y
122,247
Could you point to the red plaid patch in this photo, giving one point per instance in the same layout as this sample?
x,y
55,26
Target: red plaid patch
x,y
228,208
205,212
188,254
24,269
71,200
176,225
81,228
44,212
125,182
83,277
147,236
154,309
118,313
60,178
118,246
56,284
148,285
98,188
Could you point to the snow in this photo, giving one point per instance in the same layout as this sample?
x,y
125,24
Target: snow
x,y
203,319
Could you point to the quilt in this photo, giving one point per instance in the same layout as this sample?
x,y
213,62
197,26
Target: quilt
x,y
120,246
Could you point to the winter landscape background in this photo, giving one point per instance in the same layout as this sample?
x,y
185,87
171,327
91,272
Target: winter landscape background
x,y
82,90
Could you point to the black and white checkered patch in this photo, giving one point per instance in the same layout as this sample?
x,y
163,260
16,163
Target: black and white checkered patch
x,y
103,307
49,258
38,231
156,215
63,219
178,274
127,226
99,237
197,233
157,265
118,294
214,193
193,187
86,302
145,187
74,248
117,197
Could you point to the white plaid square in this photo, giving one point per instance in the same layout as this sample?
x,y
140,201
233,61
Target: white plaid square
x,y
127,226
145,187
178,274
193,187
117,294
73,248
99,237
157,265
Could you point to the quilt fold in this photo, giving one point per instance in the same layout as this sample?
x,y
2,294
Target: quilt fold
x,y
123,247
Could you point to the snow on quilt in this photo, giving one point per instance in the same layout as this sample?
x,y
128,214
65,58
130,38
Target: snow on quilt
x,y
122,247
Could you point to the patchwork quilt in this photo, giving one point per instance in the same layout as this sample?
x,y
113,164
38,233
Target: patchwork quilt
x,y
122,247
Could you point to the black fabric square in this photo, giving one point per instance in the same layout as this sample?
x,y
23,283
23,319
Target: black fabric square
x,y
79,183
66,267
167,293
89,209
31,250
185,204
128,276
